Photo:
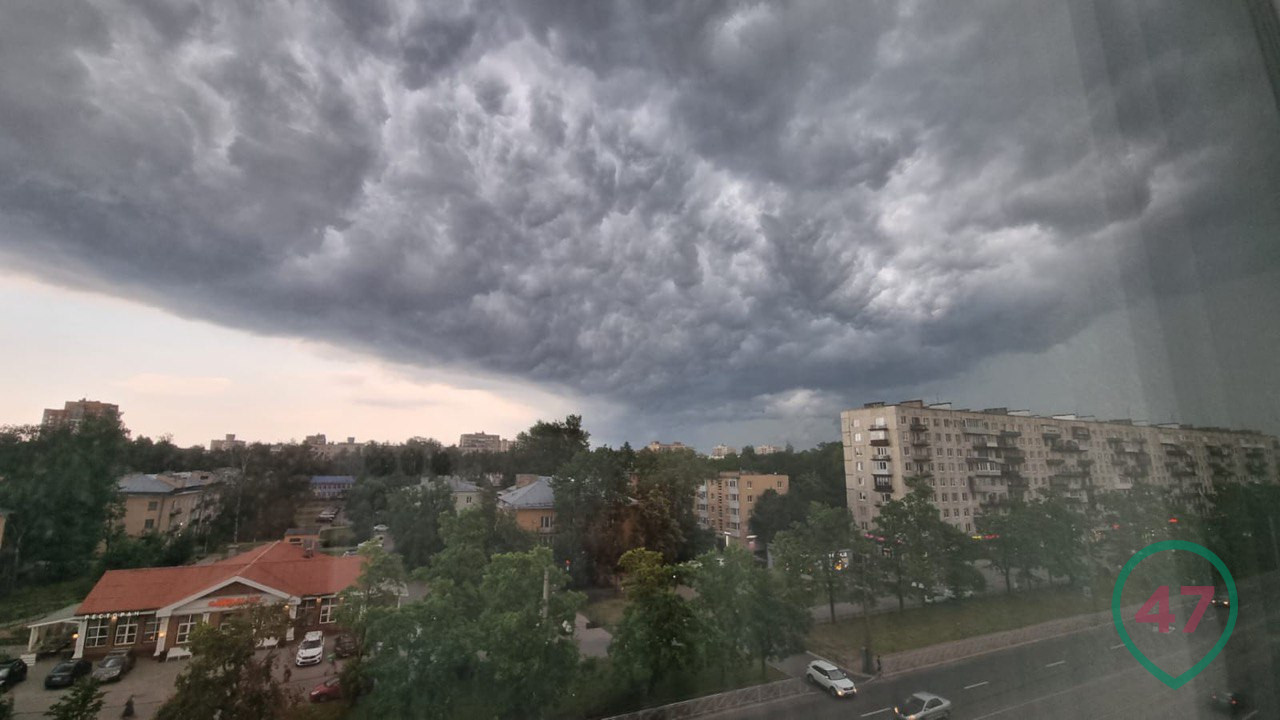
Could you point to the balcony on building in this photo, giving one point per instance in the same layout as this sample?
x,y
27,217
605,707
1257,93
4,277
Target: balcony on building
x,y
882,483
920,439
917,426
1217,451
880,437
921,454
1065,446
1080,433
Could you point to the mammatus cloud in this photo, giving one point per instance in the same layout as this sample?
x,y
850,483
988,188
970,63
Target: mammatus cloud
x,y
685,208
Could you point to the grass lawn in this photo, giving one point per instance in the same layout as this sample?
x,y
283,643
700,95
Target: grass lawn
x,y
605,613
36,600
597,693
919,627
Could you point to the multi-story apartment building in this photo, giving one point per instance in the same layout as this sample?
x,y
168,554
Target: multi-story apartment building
x,y
74,412
974,457
169,502
720,452
228,443
724,504
656,446
482,442
768,449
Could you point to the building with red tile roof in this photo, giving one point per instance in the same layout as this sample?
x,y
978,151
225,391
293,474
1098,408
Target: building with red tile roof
x,y
154,609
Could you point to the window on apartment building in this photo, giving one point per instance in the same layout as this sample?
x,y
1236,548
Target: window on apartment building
x,y
886,497
779,483
149,524
966,512
880,421
733,497
857,437
95,633
328,606
733,483
968,527
186,624
153,505
127,630
748,484
856,422
965,497
946,512
151,629
858,466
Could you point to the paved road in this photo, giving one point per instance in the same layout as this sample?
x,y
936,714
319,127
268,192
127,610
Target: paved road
x,y
1085,675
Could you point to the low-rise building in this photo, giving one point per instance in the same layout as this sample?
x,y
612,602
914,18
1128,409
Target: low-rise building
x,y
724,504
532,502
328,487
153,610
466,494
170,502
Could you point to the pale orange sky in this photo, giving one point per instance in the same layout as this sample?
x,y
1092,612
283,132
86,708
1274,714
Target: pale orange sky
x,y
198,381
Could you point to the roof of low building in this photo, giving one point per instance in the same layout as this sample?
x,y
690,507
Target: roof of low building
x,y
457,484
277,565
164,483
332,480
139,483
536,495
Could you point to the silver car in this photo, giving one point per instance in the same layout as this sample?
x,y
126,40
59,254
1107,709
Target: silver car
x,y
923,706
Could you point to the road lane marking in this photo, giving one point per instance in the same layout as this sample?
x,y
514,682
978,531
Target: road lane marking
x,y
875,712
1117,647
970,687
1056,664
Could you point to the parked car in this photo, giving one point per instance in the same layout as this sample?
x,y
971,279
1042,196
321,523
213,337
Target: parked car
x,y
345,645
923,706
1222,601
113,666
67,672
12,672
1228,703
326,691
311,649
830,678
380,528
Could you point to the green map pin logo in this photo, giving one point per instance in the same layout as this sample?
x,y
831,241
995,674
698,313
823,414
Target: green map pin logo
x,y
1116,615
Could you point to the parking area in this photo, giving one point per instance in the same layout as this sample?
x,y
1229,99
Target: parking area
x,y
151,682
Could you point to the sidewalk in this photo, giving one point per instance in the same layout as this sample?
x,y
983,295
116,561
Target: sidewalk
x,y
592,642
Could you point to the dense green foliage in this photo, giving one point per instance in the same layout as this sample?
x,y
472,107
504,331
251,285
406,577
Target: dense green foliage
x,y
83,702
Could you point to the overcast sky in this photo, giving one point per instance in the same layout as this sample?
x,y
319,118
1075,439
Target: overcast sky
x,y
696,221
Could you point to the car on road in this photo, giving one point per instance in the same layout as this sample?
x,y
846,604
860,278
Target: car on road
x,y
1228,703
326,691
12,672
923,706
115,665
345,645
1222,601
380,528
67,672
830,678
310,650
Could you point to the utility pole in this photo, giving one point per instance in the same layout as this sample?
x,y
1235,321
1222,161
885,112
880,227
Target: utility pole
x,y
546,591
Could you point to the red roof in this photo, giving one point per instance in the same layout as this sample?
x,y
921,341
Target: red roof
x,y
278,565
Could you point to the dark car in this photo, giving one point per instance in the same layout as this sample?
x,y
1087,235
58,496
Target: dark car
x,y
326,691
65,673
114,666
1230,703
12,672
345,646
1222,601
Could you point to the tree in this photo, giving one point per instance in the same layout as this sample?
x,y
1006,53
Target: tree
x,y
378,587
413,515
665,484
1010,541
262,500
591,514
816,552
84,702
529,657
777,618
774,513
51,474
917,541
1061,529
658,636
226,679
543,448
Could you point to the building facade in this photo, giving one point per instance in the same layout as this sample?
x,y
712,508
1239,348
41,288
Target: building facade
x,y
153,610
170,502
532,502
482,442
724,504
226,444
768,449
720,452
74,412
656,446
329,487
466,494
974,457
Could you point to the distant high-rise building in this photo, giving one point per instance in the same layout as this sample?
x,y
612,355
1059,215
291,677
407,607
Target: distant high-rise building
x,y
720,452
974,457
482,442
768,449
228,443
74,412
724,504
656,446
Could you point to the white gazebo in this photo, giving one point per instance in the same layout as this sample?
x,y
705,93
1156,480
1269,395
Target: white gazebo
x,y
53,632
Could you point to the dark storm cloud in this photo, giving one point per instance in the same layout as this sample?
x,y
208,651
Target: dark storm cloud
x,y
698,210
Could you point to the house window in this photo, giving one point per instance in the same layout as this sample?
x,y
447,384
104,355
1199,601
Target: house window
x,y
95,635
149,524
185,624
546,521
127,630
779,483
751,498
153,505
151,629
468,500
327,606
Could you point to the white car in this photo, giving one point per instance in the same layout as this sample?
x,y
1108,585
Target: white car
x,y
311,650
923,706
828,676
379,528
